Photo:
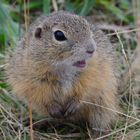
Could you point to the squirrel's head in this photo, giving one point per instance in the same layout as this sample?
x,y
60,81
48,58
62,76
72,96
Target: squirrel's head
x,y
63,39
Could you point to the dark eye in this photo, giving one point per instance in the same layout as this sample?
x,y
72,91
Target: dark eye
x,y
59,35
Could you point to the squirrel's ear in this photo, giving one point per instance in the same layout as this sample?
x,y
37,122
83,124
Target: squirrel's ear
x,y
38,32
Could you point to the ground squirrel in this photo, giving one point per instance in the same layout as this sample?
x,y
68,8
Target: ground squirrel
x,y
63,65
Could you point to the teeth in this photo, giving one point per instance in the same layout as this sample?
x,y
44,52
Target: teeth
x,y
80,64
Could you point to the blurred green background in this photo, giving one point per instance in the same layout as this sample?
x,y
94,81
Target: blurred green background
x,y
12,13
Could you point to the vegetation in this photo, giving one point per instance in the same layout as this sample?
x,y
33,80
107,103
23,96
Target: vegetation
x,y
118,18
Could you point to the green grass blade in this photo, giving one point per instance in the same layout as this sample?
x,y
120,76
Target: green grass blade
x,y
46,6
88,5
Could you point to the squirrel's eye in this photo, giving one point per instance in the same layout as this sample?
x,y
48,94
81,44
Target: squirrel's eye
x,y
59,35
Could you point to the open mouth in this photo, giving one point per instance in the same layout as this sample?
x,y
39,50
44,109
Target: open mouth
x,y
80,64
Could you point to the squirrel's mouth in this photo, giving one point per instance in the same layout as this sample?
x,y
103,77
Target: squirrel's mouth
x,y
80,64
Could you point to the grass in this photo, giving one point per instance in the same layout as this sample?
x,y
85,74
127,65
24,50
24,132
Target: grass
x,y
16,118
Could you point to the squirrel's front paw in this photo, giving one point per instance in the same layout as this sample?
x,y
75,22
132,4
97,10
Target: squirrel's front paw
x,y
55,110
71,107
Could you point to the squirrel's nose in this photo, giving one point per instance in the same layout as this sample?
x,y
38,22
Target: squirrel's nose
x,y
90,52
91,49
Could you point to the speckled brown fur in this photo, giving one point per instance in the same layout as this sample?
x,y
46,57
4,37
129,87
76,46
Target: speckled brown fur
x,y
40,70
